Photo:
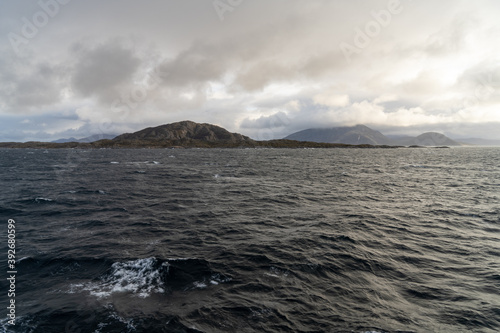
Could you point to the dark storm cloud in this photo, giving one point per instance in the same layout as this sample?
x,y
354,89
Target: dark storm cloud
x,y
198,64
25,85
130,64
101,70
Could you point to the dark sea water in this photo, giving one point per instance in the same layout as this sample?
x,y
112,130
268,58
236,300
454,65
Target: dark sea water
x,y
253,240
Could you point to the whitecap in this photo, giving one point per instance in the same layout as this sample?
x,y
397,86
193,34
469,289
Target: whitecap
x,y
38,199
214,279
200,285
75,287
139,277
272,275
276,272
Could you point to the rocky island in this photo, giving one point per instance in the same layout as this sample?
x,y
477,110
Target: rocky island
x,y
185,134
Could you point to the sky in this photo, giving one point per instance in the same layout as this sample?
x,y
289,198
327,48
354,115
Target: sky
x,y
263,68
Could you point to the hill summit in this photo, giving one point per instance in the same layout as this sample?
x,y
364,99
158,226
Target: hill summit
x,y
428,139
357,135
361,134
186,132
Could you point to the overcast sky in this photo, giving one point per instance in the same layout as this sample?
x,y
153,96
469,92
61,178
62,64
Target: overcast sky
x,y
263,68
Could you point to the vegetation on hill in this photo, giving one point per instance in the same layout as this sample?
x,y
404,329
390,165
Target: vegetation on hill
x,y
185,134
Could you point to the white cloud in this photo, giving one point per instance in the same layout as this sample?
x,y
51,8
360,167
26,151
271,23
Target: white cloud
x,y
331,99
385,98
133,64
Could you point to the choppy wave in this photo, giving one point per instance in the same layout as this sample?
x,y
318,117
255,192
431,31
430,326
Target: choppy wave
x,y
142,277
245,240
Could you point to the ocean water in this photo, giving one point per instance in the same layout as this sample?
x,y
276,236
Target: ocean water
x,y
253,240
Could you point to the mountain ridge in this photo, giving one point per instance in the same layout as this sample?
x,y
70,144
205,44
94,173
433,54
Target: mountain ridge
x,y
361,134
91,138
428,139
480,142
185,134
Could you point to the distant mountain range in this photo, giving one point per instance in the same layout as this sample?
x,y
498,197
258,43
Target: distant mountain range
x,y
361,134
427,139
186,134
354,135
92,138
480,142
